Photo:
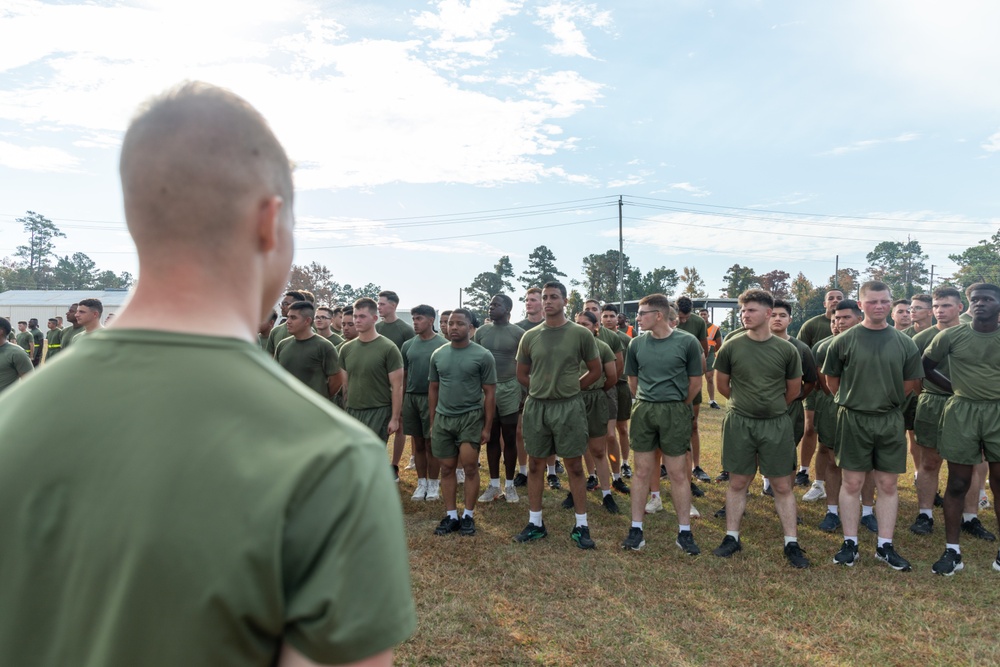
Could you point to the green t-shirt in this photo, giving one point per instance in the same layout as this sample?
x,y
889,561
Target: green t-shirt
x,y
814,330
334,337
313,361
965,318
923,340
417,361
872,366
696,327
974,361
54,337
14,362
757,373
910,331
39,339
527,324
606,356
278,334
397,331
554,354
227,511
809,369
461,373
68,334
664,366
502,341
626,341
819,351
25,339
368,366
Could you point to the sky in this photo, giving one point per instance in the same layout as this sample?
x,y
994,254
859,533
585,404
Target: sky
x,y
431,138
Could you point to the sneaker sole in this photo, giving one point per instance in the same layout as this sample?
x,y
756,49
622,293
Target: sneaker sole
x,y
905,568
583,546
857,557
689,553
533,538
628,548
418,499
510,499
958,568
654,510
996,565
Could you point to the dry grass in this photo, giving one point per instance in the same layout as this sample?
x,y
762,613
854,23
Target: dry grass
x,y
486,600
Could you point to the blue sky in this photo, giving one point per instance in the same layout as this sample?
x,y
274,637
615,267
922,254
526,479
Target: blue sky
x,y
771,134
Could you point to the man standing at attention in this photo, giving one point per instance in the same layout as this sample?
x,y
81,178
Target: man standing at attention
x,y
24,339
280,331
694,325
416,354
14,361
228,529
901,315
307,355
88,315
324,325
533,316
52,337
38,338
398,332
610,319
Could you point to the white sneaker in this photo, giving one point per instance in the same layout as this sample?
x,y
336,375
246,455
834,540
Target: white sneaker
x,y
420,493
460,476
510,493
984,503
695,514
654,505
412,465
816,492
490,494
434,491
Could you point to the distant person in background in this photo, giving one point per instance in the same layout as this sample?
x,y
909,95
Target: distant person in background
x,y
347,322
921,314
14,361
25,339
280,331
323,323
38,338
108,319
398,332
901,314
88,314
714,343
310,357
694,325
264,330
337,321
52,337
71,331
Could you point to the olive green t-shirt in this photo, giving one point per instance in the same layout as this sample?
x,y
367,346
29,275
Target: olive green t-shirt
x,y
397,331
757,373
663,366
39,339
626,341
612,340
54,337
68,335
606,356
417,361
872,366
229,509
974,361
502,341
461,373
923,340
965,318
819,351
25,339
527,324
14,362
696,327
814,330
910,331
809,370
554,354
334,337
313,361
278,334
368,366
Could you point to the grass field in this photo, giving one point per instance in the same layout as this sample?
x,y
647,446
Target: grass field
x,y
485,600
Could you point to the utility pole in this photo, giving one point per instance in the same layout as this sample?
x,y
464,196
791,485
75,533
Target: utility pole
x,y
932,278
459,297
621,260
836,272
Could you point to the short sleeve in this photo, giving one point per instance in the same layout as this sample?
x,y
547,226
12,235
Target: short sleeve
x,y
793,367
524,349
723,363
393,359
809,373
588,345
432,371
487,368
331,362
939,348
631,361
695,355
834,365
912,368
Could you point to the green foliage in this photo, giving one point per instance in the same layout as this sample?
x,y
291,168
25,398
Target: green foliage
x,y
40,249
979,263
738,280
694,286
658,281
808,302
541,268
902,266
487,285
574,304
776,282
847,281
601,275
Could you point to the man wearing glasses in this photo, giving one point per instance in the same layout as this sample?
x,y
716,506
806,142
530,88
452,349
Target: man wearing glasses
x,y
324,325
921,318
921,314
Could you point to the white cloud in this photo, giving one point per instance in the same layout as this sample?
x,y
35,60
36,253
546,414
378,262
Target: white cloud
x,y
314,235
868,143
37,158
992,145
563,20
693,190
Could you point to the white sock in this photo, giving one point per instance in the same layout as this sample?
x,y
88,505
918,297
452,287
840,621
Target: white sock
x,y
957,548
421,481
535,517
581,519
452,514
882,541
767,484
789,539
684,527
867,509
616,475
656,494
467,513
523,469
637,524
851,538
734,533
552,470
982,493
509,484
495,482
833,509
605,494
968,517
803,469
928,513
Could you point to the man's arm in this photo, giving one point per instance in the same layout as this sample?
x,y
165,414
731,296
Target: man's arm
x,y
934,375
490,406
524,374
396,383
833,384
722,383
792,389
292,658
610,375
619,364
432,400
694,388
807,388
335,382
593,372
633,384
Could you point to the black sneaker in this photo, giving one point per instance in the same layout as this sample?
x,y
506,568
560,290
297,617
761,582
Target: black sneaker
x,y
722,477
767,492
468,527
626,470
520,479
975,528
696,491
554,482
663,471
720,513
634,540
870,522
685,540
939,502
701,475
567,503
924,525
891,558
802,478
948,564
795,555
996,563
395,473
830,523
581,535
592,482
729,546
447,525
848,554
610,505
714,405
559,467
531,532
620,486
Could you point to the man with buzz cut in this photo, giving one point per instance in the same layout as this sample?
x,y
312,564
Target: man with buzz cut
x,y
461,399
416,354
612,340
921,318
226,518
280,331
970,422
307,355
921,314
901,315
398,332
374,386
619,445
52,338
714,343
664,369
72,330
38,338
501,338
14,361
323,323
25,339
694,325
870,369
88,315
548,365
760,375
533,316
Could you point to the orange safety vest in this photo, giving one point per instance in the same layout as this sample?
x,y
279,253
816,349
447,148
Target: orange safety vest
x,y
713,329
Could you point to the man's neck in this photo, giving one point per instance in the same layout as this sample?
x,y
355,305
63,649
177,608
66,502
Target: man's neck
x,y
988,326
93,327
428,334
306,335
502,321
918,327
368,336
941,326
759,334
534,319
460,343
389,319
867,323
898,327
339,332
783,334
556,320
662,330
325,333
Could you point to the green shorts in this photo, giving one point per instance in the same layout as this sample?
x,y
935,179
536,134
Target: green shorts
x,y
377,419
809,403
928,418
612,399
508,397
969,430
909,412
663,426
557,426
870,441
416,415
697,399
624,402
798,416
449,433
825,420
749,444
597,413
710,360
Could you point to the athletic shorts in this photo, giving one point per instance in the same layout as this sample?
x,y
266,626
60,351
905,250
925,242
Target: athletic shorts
x,y
825,420
449,433
870,441
697,399
596,404
969,430
749,444
710,360
798,416
624,402
612,398
555,426
909,412
416,415
508,397
928,418
663,426
377,419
